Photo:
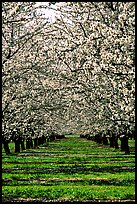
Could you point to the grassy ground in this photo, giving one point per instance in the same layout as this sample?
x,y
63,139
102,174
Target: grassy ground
x,y
69,169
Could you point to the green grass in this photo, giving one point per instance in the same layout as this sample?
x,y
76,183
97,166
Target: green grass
x,y
93,175
70,192
69,169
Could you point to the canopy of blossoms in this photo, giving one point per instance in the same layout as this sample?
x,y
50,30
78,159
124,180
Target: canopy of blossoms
x,y
76,74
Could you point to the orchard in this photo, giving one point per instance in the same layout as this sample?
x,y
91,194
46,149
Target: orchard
x,y
74,74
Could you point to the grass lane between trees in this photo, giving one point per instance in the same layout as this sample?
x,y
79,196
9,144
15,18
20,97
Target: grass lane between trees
x,y
72,168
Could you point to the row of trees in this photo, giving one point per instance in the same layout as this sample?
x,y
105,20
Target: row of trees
x,y
75,74
28,138
111,137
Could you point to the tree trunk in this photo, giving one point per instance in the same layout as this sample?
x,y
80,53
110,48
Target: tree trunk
x,y
27,144
52,137
43,139
39,140
111,140
31,143
105,140
124,145
6,147
35,142
116,143
98,138
22,145
17,146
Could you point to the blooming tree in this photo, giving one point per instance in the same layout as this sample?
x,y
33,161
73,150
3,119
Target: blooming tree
x,y
75,74
98,56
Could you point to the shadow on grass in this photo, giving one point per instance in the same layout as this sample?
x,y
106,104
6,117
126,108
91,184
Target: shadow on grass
x,y
53,182
132,155
70,170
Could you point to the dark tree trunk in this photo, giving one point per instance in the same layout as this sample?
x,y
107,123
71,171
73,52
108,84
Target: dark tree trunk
x,y
105,140
22,145
116,143
39,140
111,140
17,145
63,136
43,139
52,137
35,142
6,147
31,143
81,136
124,145
27,144
100,139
